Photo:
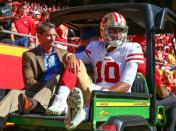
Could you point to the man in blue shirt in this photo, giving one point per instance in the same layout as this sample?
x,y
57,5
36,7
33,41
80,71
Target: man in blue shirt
x,y
42,68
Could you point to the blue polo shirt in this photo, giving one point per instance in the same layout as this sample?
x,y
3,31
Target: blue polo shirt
x,y
52,64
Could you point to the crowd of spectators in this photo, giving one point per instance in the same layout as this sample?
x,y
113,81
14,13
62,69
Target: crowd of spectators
x,y
28,15
164,58
32,7
166,61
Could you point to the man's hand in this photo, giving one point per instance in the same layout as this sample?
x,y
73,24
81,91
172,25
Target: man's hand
x,y
15,18
73,63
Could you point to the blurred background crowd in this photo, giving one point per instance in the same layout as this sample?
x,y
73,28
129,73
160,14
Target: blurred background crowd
x,y
164,57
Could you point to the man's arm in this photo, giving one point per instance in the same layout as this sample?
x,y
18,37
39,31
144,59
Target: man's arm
x,y
28,75
5,18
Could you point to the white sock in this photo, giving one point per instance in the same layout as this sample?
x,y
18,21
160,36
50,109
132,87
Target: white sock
x,y
83,116
63,93
86,110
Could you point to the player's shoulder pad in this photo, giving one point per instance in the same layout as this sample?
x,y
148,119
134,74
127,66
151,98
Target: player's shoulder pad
x,y
95,44
133,45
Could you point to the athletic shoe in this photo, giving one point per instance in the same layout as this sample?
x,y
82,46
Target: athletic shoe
x,y
75,109
26,104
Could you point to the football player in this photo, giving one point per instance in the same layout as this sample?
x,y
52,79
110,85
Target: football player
x,y
115,62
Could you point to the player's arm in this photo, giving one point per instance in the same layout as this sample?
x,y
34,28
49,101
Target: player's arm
x,y
134,57
120,87
127,78
86,55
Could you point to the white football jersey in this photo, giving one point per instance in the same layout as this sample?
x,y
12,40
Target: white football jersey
x,y
109,67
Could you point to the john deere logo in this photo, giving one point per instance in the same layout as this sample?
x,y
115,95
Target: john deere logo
x,y
104,113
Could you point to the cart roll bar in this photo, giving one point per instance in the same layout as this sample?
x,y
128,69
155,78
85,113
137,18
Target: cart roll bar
x,y
150,72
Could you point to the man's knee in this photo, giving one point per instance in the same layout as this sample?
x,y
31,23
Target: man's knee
x,y
82,69
82,66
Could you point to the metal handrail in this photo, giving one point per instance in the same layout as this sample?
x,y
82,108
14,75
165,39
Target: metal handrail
x,y
30,36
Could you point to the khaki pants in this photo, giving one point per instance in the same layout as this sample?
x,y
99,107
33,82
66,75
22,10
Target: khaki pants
x,y
84,82
9,103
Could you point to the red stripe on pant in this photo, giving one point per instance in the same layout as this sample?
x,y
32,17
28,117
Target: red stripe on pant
x,y
68,79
